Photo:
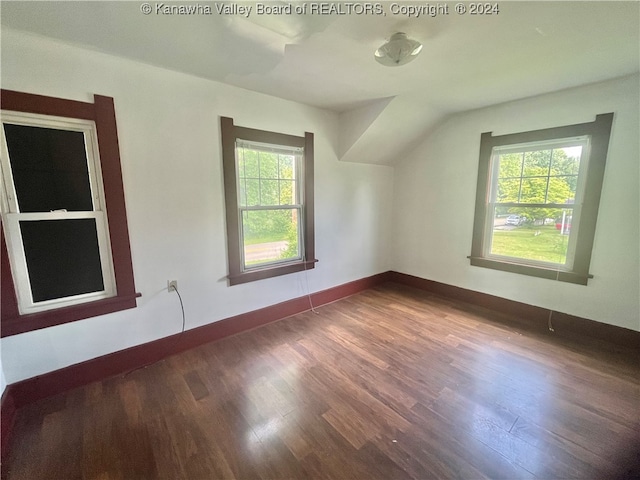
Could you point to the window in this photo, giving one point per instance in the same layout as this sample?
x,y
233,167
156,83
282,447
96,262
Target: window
x,y
537,200
268,179
65,246
55,221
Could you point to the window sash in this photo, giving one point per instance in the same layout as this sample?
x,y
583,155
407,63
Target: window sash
x,y
298,172
17,258
492,204
13,216
556,144
571,247
300,222
86,127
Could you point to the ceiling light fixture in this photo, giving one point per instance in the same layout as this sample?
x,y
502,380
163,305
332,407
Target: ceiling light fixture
x,y
399,50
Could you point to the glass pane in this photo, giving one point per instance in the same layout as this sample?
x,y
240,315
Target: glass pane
x,y
269,192
287,192
536,163
268,165
250,163
49,168
287,166
533,190
63,257
508,190
510,165
562,189
566,161
250,192
566,165
270,236
532,233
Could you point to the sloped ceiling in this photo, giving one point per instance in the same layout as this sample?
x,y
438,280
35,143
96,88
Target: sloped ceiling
x,y
468,61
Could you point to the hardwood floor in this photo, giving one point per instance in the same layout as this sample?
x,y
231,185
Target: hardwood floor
x,y
391,383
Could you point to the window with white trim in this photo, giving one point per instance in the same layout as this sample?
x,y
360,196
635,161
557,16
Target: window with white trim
x,y
537,200
269,202
55,222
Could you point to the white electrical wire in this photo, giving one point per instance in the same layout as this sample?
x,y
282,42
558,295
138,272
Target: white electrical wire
x,y
175,289
170,350
549,322
306,278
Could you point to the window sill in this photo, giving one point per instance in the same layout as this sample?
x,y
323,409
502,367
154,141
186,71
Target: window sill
x,y
272,271
533,271
14,325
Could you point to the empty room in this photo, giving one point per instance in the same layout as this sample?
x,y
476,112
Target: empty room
x,y
332,240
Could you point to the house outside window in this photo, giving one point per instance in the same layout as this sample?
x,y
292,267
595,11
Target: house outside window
x,y
537,200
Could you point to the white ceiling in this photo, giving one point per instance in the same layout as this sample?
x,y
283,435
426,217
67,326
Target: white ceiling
x,y
327,61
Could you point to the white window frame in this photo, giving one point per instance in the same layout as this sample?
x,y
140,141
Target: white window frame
x,y
12,216
492,204
298,154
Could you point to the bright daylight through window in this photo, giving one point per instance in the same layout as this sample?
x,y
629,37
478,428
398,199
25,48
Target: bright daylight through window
x,y
269,196
533,193
269,202
538,195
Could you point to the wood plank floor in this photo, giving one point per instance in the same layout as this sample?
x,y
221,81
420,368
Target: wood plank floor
x,y
391,383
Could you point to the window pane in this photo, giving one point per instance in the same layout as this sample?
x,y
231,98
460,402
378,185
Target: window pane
x,y
249,192
250,163
510,165
508,190
566,164
532,233
49,168
287,163
270,236
562,189
546,176
566,161
533,190
536,163
269,192
268,165
62,257
265,178
287,192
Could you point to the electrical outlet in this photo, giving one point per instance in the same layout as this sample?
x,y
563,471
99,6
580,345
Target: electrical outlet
x,y
172,285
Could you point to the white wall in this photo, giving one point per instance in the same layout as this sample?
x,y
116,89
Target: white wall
x,y
168,125
434,204
170,148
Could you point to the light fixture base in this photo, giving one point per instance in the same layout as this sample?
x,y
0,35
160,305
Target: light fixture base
x,y
399,50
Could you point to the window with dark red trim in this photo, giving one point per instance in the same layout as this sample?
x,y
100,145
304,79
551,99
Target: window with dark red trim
x,y
73,213
268,182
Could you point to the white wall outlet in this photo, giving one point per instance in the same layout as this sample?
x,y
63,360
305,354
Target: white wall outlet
x,y
172,285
